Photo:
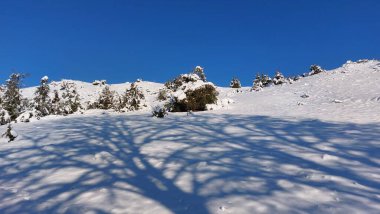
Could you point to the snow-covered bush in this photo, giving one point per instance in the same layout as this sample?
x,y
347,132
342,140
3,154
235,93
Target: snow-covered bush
x,y
12,98
266,80
26,116
181,80
198,70
235,83
278,78
42,101
194,99
188,92
159,111
4,117
315,69
132,97
106,99
257,83
162,95
99,82
10,134
70,98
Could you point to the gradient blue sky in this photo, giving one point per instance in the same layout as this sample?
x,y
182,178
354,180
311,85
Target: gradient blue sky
x,y
157,40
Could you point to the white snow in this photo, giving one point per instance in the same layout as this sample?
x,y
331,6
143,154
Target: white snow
x,y
259,153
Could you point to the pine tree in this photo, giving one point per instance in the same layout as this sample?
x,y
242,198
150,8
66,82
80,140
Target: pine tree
x,y
12,97
57,105
266,80
257,83
70,97
132,98
315,69
106,98
200,72
235,83
278,78
42,101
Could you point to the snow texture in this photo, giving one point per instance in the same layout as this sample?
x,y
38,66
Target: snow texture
x,y
262,153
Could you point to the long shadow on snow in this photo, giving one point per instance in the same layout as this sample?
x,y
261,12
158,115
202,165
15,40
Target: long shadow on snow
x,y
212,153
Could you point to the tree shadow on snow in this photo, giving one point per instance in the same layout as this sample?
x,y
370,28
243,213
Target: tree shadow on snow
x,y
202,163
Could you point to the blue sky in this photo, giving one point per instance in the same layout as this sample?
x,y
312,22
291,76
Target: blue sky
x,y
157,40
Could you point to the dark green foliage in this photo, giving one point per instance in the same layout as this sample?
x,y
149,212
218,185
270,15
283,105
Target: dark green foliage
x,y
70,98
12,99
162,95
106,99
9,134
159,112
176,83
196,100
132,98
235,83
315,69
42,101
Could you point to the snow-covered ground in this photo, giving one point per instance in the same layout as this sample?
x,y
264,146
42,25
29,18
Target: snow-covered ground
x,y
267,152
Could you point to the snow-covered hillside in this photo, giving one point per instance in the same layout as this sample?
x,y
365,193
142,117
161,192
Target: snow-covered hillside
x,y
308,147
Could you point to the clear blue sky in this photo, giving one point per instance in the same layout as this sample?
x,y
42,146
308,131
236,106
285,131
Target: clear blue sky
x,y
159,39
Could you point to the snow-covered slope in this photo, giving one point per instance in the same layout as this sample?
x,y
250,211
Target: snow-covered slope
x,y
268,152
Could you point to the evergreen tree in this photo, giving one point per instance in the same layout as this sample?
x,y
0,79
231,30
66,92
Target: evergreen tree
x,y
200,72
132,98
57,106
42,101
12,97
257,83
315,69
278,78
235,83
70,97
106,98
266,80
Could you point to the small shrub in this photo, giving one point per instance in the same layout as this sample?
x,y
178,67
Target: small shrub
x,y
159,111
198,70
315,69
278,78
235,83
257,83
10,134
162,95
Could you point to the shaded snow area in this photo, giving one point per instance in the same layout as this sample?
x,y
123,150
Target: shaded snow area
x,y
308,147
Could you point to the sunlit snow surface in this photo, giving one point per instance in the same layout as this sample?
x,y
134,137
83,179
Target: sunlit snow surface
x,y
267,152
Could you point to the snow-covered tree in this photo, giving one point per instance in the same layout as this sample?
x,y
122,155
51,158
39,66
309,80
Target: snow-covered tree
x,y
162,95
42,101
106,98
266,80
278,78
12,98
4,117
132,98
70,98
198,70
57,105
159,111
235,83
10,133
257,83
315,69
